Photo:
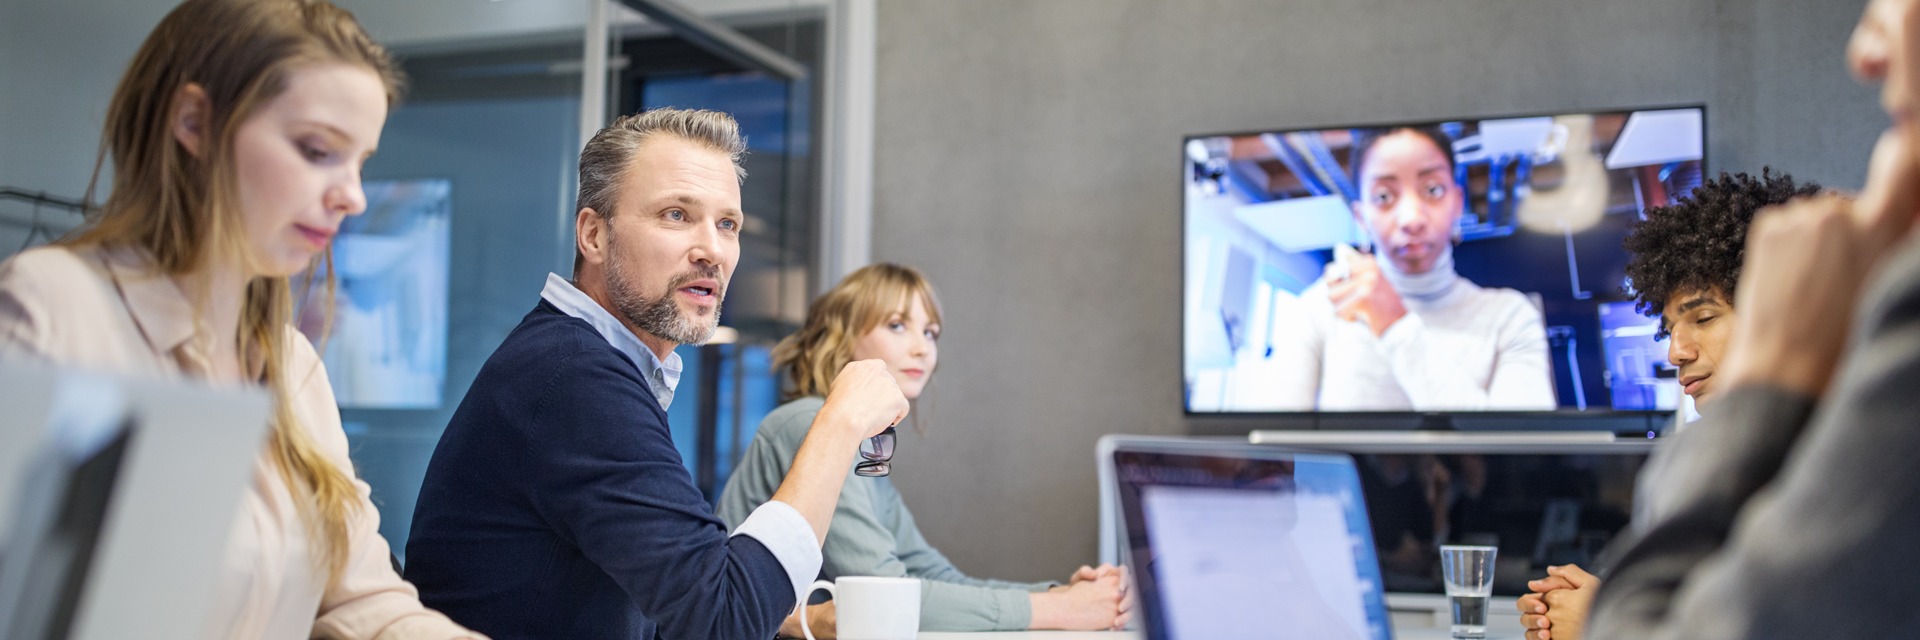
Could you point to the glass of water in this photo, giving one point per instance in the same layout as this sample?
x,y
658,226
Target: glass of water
x,y
1468,573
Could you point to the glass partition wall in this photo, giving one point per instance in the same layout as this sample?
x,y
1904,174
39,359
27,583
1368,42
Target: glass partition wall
x,y
498,128
732,384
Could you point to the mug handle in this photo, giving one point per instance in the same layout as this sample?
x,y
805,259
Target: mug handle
x,y
806,627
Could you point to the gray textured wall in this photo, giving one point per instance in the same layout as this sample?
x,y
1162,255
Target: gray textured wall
x,y
59,62
1027,156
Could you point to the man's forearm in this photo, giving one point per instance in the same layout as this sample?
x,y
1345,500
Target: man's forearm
x,y
820,617
812,486
864,400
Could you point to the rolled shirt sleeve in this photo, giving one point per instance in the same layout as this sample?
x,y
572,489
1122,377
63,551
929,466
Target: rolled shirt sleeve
x,y
785,533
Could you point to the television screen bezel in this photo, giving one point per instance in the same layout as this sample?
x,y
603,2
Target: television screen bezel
x,y
1604,419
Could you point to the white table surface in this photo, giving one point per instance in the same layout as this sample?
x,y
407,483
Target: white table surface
x,y
1416,617
1413,633
1032,635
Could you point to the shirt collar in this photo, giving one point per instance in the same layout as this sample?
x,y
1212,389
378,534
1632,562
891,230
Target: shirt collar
x,y
662,376
162,311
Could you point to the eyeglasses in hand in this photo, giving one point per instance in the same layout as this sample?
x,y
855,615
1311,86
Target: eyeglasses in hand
x,y
876,452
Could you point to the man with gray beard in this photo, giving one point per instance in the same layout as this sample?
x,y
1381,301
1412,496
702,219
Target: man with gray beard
x,y
555,504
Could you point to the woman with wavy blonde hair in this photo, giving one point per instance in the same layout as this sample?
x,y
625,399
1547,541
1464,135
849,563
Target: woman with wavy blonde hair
x,y
236,136
890,313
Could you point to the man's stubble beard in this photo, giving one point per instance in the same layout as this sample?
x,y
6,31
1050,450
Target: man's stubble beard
x,y
662,316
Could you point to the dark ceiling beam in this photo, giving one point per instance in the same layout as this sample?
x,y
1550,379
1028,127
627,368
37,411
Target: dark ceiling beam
x,y
720,39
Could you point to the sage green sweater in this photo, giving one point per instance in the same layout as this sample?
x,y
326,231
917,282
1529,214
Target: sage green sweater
x,y
873,533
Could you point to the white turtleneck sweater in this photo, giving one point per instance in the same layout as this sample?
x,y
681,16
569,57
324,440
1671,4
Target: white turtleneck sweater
x,y
1460,347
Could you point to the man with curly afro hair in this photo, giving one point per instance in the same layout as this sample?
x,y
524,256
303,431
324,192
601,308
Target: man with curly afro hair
x,y
1685,267
1686,263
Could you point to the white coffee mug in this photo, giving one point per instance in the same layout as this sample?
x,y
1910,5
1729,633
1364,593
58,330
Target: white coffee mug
x,y
870,608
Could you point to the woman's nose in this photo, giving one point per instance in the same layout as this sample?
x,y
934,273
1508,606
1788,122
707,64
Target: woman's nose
x,y
1410,217
347,198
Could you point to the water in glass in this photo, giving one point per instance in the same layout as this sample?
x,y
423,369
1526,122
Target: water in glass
x,y
1468,574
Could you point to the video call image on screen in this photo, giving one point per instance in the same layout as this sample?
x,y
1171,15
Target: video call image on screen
x,y
385,345
1465,265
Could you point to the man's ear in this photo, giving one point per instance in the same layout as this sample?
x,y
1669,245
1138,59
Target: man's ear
x,y
191,112
590,237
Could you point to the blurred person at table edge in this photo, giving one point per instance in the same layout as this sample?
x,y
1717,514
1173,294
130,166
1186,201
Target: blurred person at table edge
x,y
237,135
1798,507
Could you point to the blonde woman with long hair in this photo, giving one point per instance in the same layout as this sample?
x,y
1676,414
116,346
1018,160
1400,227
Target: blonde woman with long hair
x,y
236,136
889,312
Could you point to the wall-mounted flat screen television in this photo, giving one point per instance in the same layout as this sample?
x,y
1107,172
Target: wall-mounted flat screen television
x,y
1452,266
385,346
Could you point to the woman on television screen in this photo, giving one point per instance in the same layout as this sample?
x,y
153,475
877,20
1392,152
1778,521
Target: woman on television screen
x,y
1397,329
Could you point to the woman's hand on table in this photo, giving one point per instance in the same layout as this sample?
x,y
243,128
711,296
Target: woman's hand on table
x,y
1095,599
1086,573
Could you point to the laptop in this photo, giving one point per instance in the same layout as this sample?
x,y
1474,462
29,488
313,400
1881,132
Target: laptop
x,y
1232,540
116,500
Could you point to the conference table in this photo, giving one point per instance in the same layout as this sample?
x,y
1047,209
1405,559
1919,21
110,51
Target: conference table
x,y
1415,633
1414,617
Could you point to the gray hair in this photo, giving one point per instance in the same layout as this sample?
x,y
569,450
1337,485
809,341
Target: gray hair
x,y
604,161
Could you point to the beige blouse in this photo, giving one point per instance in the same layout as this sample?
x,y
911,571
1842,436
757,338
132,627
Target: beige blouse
x,y
103,310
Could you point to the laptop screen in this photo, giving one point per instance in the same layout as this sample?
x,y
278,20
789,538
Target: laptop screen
x,y
1250,544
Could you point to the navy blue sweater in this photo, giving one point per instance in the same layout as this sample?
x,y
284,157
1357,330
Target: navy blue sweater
x,y
556,507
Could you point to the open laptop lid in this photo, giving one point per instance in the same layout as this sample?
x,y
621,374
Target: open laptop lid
x,y
140,510
1230,540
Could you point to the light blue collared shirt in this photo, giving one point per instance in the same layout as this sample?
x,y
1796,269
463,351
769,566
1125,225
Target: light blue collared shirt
x,y
662,377
776,525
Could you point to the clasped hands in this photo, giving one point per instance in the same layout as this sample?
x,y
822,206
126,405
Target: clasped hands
x,y
1094,598
1557,608
1365,296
